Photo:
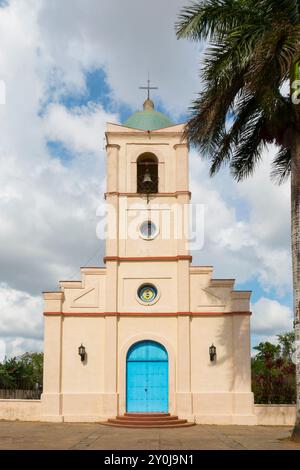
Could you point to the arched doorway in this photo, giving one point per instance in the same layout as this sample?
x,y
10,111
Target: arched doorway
x,y
147,384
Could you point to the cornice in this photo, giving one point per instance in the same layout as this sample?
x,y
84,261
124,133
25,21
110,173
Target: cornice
x,y
148,258
147,314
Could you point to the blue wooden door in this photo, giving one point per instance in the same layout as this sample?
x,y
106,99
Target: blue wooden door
x,y
147,378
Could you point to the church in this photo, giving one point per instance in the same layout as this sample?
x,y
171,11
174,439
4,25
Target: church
x,y
149,333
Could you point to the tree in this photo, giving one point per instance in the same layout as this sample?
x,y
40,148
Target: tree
x,y
23,372
267,351
33,364
273,372
253,51
286,342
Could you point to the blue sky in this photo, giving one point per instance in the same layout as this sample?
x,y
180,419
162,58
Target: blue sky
x,y
97,91
69,67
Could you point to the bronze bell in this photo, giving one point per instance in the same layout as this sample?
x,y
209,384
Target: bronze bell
x,y
147,177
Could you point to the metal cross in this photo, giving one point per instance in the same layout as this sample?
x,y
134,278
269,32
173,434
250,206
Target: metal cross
x,y
148,87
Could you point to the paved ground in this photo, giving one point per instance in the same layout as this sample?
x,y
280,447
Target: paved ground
x,y
20,435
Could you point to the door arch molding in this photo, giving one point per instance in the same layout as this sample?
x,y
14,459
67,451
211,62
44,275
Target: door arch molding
x,y
147,378
122,368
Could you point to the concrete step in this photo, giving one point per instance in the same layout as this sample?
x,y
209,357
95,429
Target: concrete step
x,y
149,426
144,422
147,420
145,417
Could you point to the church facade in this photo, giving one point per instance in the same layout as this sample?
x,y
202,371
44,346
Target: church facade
x,y
149,331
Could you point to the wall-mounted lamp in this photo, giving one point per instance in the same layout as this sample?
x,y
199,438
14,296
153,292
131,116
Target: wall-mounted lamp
x,y
81,352
213,353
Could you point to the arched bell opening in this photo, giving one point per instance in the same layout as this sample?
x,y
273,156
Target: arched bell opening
x,y
147,174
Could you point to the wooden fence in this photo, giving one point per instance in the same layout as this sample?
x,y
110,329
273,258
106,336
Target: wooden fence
x,y
19,394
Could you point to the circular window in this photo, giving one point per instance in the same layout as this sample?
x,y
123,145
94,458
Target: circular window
x,y
148,230
147,293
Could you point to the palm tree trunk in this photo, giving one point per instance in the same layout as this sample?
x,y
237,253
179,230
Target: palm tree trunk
x,y
295,237
295,229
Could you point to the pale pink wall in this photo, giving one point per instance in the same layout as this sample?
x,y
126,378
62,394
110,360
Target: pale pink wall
x,y
20,410
275,415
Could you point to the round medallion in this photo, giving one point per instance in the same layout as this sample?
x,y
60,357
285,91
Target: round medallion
x,y
147,293
148,230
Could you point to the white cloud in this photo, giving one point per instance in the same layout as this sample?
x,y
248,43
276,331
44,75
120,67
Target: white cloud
x,y
247,225
78,128
48,211
21,326
21,313
128,39
16,346
270,317
270,203
2,350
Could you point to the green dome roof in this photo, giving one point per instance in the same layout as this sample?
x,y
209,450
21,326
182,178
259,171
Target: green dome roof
x,y
148,119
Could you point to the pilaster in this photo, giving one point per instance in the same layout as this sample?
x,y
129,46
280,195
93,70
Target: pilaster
x,y
183,395
112,167
182,170
53,328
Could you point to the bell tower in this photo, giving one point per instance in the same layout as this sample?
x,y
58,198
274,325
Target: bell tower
x,y
147,260
147,199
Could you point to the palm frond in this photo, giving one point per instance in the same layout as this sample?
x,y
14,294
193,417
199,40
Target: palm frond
x,y
248,151
288,9
281,166
209,112
253,45
273,57
246,111
204,19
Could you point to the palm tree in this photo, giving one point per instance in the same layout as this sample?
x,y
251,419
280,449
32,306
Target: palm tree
x,y
252,54
286,342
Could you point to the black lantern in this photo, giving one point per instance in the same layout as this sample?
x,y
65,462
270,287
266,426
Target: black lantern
x,y
213,353
81,352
